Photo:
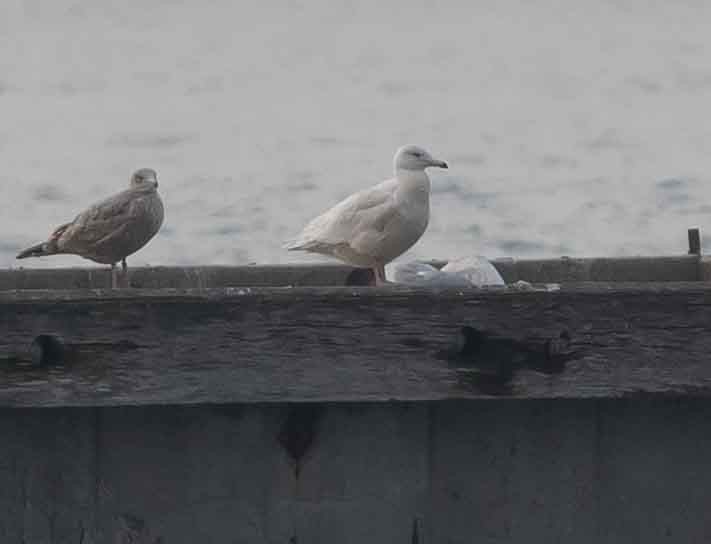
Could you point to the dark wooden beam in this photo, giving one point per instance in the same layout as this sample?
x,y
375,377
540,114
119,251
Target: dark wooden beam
x,y
103,347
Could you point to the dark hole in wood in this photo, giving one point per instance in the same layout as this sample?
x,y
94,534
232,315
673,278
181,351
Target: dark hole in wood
x,y
47,350
298,431
361,276
495,359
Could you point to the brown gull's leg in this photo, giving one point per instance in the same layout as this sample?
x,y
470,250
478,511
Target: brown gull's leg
x,y
124,273
379,271
113,276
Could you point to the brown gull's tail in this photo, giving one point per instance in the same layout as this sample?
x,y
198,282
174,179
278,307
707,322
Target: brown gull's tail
x,y
45,248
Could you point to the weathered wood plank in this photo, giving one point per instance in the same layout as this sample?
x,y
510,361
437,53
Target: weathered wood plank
x,y
635,269
356,344
515,472
638,441
47,476
705,269
526,472
201,474
571,471
184,277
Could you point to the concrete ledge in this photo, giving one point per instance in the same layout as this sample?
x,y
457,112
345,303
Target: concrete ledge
x,y
632,269
603,269
185,277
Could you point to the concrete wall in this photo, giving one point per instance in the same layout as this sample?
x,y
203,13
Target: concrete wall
x,y
449,472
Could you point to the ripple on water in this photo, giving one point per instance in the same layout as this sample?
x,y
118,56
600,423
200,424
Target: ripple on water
x,y
602,206
452,186
147,140
302,187
607,140
303,181
473,159
327,141
673,193
673,184
227,230
213,84
644,84
474,230
515,247
673,200
557,161
395,88
702,209
167,231
8,246
224,211
519,246
48,192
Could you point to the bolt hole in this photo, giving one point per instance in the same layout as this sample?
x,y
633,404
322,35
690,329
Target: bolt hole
x,y
469,341
558,346
47,350
495,358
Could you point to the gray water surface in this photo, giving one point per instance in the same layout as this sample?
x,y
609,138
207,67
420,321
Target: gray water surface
x,y
575,128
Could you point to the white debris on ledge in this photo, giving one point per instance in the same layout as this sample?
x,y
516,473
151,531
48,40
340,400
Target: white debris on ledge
x,y
521,285
473,271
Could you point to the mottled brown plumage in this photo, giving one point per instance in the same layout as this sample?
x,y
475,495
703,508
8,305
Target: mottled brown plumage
x,y
112,229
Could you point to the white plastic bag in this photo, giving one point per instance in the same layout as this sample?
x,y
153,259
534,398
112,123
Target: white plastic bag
x,y
464,272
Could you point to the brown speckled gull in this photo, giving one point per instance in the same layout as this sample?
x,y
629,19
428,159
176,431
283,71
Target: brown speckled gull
x,y
112,229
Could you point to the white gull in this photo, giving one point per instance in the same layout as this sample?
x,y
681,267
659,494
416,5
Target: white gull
x,y
372,227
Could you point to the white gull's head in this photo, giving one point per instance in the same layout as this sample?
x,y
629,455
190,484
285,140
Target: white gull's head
x,y
145,178
412,157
